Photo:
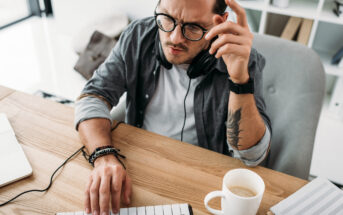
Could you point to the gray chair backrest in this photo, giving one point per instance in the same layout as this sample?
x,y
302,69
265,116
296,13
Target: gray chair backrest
x,y
294,88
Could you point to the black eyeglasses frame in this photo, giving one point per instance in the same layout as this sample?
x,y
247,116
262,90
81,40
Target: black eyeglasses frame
x,y
204,30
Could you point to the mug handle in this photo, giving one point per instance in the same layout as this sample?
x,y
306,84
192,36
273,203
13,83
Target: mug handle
x,y
212,195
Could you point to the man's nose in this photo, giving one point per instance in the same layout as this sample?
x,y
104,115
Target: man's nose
x,y
176,36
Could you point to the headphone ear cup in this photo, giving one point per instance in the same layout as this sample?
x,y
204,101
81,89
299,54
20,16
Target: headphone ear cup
x,y
202,64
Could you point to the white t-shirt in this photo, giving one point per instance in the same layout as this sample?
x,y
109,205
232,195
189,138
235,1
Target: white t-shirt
x,y
165,112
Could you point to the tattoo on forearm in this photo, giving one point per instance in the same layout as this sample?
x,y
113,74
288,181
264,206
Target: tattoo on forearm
x,y
232,125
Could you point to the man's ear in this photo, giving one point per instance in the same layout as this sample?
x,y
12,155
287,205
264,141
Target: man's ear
x,y
225,15
217,19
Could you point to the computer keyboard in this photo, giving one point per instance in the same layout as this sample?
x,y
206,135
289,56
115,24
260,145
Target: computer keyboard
x,y
174,209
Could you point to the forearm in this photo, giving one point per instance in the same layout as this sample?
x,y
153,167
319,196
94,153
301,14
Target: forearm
x,y
108,172
95,133
245,126
93,121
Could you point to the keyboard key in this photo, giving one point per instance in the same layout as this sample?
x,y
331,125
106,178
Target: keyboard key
x,y
150,210
159,210
184,209
167,210
124,211
176,209
113,213
132,211
141,211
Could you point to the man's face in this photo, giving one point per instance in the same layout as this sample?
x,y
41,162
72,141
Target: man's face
x,y
176,47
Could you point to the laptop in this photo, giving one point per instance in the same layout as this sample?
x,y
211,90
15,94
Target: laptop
x,y
13,162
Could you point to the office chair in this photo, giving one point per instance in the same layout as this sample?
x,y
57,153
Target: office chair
x,y
294,88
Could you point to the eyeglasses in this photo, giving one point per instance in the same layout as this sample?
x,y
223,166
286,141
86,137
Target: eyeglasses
x,y
190,31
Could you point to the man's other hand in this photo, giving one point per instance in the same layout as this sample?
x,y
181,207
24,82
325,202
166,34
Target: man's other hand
x,y
108,182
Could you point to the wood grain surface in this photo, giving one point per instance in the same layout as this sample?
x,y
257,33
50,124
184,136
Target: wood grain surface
x,y
163,170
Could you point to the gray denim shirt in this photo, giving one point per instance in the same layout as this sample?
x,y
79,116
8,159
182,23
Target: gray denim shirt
x,y
132,67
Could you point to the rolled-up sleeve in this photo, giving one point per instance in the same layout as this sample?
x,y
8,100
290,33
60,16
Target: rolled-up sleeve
x,y
106,86
109,80
255,155
89,108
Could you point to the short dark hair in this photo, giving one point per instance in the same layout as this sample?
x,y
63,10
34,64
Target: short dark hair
x,y
219,7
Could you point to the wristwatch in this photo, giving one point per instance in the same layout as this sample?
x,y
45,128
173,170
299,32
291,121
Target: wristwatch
x,y
247,88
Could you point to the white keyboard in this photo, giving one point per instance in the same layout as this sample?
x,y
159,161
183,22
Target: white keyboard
x,y
174,209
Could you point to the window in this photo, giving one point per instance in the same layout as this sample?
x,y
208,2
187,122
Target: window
x,y
14,11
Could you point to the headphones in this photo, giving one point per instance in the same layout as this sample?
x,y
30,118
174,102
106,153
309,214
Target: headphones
x,y
202,64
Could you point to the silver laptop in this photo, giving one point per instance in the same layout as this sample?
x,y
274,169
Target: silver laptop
x,y
13,162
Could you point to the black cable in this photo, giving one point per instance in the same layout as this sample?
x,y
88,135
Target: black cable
x,y
52,176
184,108
118,123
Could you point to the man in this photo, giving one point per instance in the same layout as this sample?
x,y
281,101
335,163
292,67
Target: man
x,y
221,114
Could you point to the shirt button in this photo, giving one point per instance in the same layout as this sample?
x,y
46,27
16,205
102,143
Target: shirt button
x,y
154,73
146,96
141,112
138,125
271,89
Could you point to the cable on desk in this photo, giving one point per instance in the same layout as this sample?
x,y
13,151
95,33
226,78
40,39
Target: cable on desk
x,y
118,123
53,174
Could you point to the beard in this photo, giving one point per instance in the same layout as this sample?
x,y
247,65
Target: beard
x,y
180,55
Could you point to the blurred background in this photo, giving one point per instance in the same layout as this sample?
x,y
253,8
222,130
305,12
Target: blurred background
x,y
37,50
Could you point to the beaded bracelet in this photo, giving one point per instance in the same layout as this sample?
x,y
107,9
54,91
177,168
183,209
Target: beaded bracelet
x,y
102,151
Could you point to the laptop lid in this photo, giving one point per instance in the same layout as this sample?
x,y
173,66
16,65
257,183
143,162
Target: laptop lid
x,y
13,162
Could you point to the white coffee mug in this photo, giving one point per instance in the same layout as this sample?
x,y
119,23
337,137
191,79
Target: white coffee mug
x,y
233,204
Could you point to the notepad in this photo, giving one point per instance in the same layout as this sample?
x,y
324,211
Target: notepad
x,y
319,196
13,162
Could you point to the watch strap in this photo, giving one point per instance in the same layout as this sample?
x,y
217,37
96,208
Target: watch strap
x,y
247,88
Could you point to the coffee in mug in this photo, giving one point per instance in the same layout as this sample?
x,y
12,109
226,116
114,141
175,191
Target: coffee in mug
x,y
242,191
241,194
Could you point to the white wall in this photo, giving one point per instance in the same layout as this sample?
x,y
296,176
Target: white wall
x,y
73,15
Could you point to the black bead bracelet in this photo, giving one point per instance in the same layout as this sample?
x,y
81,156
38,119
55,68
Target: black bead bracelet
x,y
102,151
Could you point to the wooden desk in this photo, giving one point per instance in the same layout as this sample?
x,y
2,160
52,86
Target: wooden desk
x,y
163,170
